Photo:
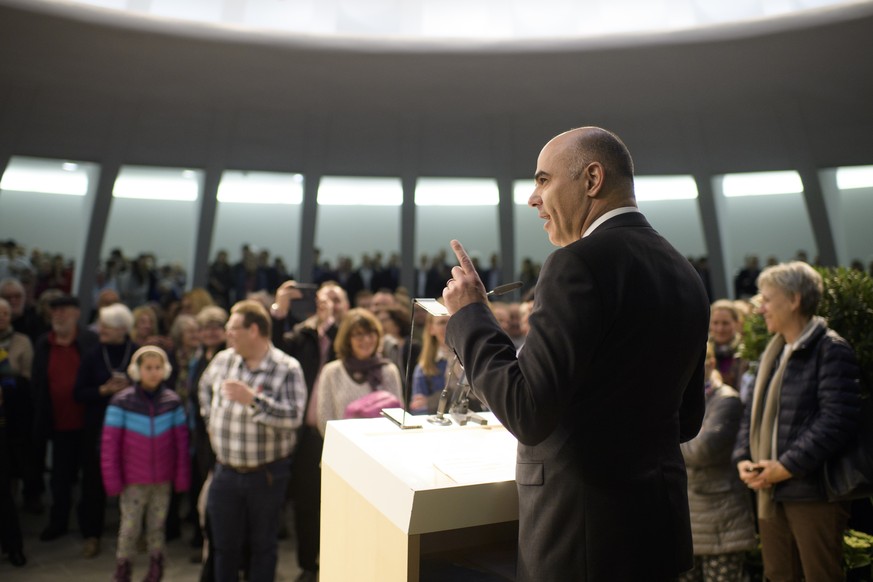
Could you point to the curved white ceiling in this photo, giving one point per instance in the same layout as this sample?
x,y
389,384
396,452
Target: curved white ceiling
x,y
417,21
90,83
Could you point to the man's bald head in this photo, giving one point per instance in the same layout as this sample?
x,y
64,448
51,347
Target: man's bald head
x,y
582,174
594,144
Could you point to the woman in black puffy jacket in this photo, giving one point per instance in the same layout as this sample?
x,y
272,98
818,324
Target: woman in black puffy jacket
x,y
805,409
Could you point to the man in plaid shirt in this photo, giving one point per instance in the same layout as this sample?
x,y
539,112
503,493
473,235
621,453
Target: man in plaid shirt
x,y
252,397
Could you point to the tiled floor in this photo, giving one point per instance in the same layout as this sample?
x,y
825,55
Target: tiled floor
x,y
61,560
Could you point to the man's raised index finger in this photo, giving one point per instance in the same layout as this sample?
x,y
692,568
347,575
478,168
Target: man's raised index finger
x,y
463,258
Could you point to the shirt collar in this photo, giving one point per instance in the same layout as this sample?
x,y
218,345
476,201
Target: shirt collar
x,y
607,216
262,363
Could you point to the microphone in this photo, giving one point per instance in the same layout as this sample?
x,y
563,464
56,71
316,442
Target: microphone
x,y
504,289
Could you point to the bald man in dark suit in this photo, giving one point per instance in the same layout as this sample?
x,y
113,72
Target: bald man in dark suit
x,y
608,383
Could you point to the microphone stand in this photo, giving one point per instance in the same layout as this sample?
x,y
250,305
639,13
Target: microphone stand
x,y
459,409
440,417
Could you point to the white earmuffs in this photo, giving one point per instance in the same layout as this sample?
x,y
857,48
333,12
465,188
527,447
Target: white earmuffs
x,y
133,368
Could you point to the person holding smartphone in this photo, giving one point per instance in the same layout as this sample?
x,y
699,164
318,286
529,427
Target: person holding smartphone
x,y
311,343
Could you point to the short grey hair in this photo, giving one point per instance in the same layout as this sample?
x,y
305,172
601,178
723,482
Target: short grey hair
x,y
118,316
11,282
211,314
795,278
182,322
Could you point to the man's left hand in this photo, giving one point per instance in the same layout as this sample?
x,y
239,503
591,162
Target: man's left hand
x,y
465,286
237,392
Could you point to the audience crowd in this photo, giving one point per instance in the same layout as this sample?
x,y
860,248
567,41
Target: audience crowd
x,y
351,332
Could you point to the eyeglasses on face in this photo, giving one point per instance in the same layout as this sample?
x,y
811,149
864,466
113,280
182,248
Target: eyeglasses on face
x,y
361,334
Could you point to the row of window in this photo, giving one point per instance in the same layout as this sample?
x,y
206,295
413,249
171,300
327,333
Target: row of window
x,y
72,178
348,223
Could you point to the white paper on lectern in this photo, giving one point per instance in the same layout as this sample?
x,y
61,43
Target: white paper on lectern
x,y
466,469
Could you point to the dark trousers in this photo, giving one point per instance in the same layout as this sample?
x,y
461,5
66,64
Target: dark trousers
x,y
74,451
804,540
306,489
246,506
68,449
92,509
27,465
202,461
34,477
10,530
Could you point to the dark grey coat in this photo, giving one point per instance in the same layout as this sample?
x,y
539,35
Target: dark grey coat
x,y
721,505
610,379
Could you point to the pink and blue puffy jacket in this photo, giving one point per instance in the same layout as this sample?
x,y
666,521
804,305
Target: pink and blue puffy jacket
x,y
145,440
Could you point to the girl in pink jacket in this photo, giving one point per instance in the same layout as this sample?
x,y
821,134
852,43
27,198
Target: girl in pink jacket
x,y
144,453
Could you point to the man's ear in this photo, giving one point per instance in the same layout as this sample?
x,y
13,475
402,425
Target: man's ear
x,y
593,177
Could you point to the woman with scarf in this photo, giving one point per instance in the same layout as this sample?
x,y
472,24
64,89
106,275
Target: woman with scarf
x,y
357,371
725,327
16,354
805,409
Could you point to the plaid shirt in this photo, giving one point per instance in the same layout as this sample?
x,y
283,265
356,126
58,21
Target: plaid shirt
x,y
249,436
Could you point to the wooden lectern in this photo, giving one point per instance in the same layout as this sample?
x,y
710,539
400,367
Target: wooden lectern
x,y
392,497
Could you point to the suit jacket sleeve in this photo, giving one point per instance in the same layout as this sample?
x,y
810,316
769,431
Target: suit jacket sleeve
x,y
693,403
530,393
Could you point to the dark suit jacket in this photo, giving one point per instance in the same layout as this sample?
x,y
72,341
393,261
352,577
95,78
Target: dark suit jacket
x,y
608,383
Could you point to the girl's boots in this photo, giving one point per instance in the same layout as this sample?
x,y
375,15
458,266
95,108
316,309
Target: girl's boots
x,y
156,568
122,571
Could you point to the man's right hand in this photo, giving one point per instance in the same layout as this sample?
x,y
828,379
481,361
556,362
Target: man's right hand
x,y
465,286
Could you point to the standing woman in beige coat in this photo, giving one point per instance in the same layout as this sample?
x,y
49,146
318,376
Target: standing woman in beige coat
x,y
722,524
